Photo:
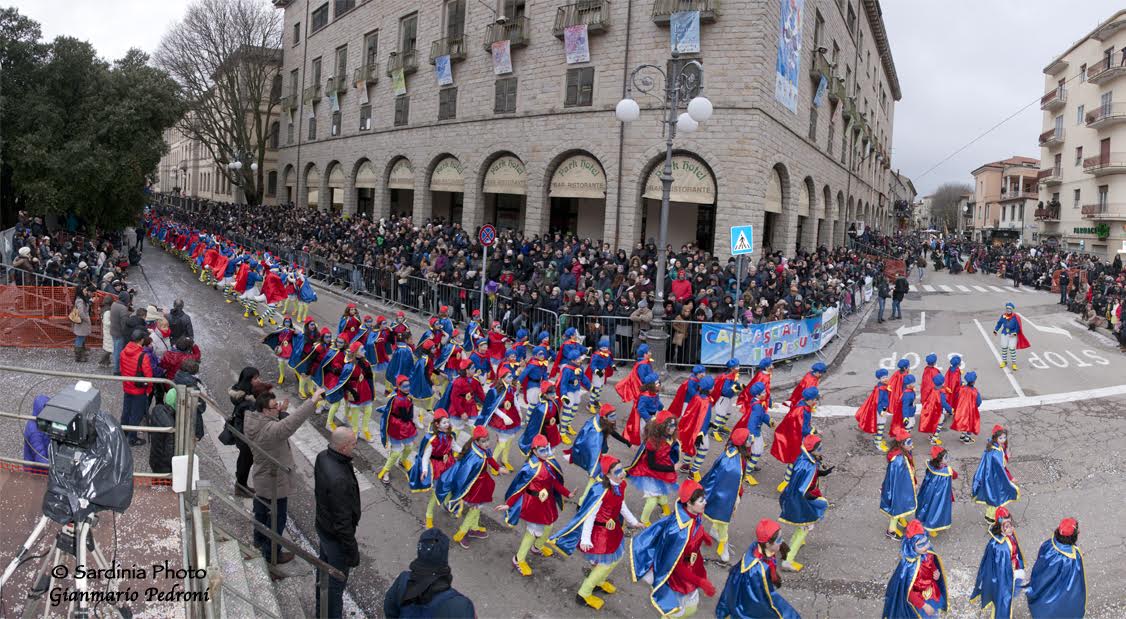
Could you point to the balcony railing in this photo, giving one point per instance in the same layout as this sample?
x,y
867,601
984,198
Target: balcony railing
x,y
312,94
1050,176
515,30
1105,71
1104,211
368,73
1048,213
1052,137
1019,195
407,61
454,47
288,103
1054,99
1112,163
820,66
1106,115
337,84
663,10
594,13
836,89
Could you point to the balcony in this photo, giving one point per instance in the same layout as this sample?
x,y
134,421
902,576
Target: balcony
x,y
337,84
515,30
663,10
454,47
1052,137
1048,213
312,94
1112,163
820,66
836,89
1105,71
849,113
288,103
1055,99
1050,176
407,61
1104,211
595,14
367,73
1106,115
1019,195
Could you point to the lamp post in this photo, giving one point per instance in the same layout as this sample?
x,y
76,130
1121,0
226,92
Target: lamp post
x,y
235,166
677,88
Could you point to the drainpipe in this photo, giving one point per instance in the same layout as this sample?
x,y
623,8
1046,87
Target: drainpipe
x,y
301,111
622,128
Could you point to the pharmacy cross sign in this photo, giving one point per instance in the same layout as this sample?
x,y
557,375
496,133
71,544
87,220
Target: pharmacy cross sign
x,y
742,240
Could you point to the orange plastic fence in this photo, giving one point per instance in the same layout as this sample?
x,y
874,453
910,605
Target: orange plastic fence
x,y
36,317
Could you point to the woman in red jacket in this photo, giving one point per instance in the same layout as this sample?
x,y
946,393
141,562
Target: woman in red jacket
x,y
653,469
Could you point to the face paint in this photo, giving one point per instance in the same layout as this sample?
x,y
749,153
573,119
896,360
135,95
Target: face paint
x,y
544,453
444,425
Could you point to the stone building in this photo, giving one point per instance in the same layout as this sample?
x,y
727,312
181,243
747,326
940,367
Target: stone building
x,y
535,146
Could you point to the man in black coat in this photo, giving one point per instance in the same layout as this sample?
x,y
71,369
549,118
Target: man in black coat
x,y
179,323
338,513
426,589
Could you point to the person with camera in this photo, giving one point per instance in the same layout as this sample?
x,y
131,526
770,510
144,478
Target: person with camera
x,y
135,363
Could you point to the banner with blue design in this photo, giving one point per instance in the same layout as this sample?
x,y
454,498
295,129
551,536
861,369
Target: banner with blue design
x,y
778,340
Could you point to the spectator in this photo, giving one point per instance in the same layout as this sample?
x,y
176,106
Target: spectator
x,y
900,291
243,394
179,322
82,297
426,589
108,341
187,375
36,444
641,319
184,349
136,320
882,296
118,312
273,477
338,513
135,363
25,266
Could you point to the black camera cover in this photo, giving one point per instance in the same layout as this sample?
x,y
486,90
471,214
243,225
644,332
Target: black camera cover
x,y
84,481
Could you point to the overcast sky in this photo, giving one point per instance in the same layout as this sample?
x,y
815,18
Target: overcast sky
x,y
963,65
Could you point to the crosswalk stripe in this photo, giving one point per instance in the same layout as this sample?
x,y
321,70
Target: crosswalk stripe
x,y
995,289
928,288
963,288
945,288
1011,289
980,289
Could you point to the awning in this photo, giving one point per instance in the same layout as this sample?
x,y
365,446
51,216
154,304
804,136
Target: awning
x,y
449,175
579,176
506,175
691,182
365,176
336,178
402,175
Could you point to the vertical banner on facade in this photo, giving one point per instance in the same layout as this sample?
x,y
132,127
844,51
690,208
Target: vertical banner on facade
x,y
398,82
822,88
788,65
363,86
334,99
576,43
443,71
684,29
502,57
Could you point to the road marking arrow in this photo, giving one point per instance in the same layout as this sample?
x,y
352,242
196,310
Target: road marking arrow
x,y
1056,330
905,330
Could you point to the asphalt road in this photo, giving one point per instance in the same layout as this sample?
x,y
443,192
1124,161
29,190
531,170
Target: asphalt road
x,y
1067,451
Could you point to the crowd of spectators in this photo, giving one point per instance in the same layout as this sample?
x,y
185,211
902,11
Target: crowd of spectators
x,y
64,257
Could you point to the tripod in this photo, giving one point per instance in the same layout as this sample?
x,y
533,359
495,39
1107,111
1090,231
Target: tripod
x,y
74,540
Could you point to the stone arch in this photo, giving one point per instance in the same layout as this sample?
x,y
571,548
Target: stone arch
x,y
444,187
502,183
398,183
808,216
289,184
364,187
689,207
828,216
312,195
574,192
779,218
334,182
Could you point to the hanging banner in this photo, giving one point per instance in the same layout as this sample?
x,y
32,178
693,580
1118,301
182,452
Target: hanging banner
x,y
576,43
502,57
788,65
777,340
398,83
684,30
335,101
830,320
363,86
443,71
822,88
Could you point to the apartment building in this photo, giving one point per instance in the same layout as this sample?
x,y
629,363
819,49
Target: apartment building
x,y
1004,202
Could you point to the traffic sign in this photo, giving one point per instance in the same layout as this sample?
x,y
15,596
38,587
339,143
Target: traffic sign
x,y
742,240
488,235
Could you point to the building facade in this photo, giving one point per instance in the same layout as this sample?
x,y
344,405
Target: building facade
x,y
1004,201
901,192
399,108
1082,195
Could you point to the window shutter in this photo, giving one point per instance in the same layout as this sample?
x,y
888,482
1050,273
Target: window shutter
x,y
571,97
586,86
498,97
511,103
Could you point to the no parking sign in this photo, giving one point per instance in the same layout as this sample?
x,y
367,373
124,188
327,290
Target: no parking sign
x,y
487,235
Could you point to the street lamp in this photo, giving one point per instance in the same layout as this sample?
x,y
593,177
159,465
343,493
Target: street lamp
x,y
235,166
677,88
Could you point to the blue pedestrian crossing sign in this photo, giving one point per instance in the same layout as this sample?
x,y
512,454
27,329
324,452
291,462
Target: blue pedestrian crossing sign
x,y
742,240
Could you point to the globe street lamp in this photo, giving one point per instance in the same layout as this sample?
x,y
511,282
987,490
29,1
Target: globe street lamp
x,y
679,84
235,166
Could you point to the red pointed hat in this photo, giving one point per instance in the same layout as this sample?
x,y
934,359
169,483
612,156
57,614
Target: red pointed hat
x,y
998,428
400,379
664,416
1003,512
936,451
547,385
539,441
440,413
766,530
480,432
687,488
606,409
740,436
606,463
914,528
355,347
811,442
900,434
351,306
1067,527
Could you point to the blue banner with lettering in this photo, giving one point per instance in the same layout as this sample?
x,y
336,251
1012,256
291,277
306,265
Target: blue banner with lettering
x,y
777,340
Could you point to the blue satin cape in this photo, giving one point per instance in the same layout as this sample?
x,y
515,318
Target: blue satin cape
x,y
658,548
996,584
991,485
721,486
1058,586
796,509
897,494
936,499
749,594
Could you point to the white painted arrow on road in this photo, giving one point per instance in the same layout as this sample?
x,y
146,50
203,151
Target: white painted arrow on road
x,y
905,330
1056,330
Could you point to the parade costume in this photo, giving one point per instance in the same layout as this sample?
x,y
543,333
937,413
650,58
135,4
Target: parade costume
x,y
669,556
751,590
358,384
653,469
598,530
789,435
473,331
422,377
535,496
501,413
642,373
802,504
764,375
687,390
543,420
305,295
328,375
935,410
918,580
600,370
812,378
397,431
953,381
321,350
692,429
592,442
897,493
349,324
497,344
724,394
383,344
480,360
967,416
400,330
1058,586
936,493
572,382
895,393
723,488
872,416
572,345
274,291
533,375
1001,571
647,404
993,484
466,396
281,343
1011,329
434,457
401,361
467,486
305,346
907,404
926,383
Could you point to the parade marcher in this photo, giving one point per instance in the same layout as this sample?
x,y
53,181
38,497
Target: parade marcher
x,y
281,343
936,493
752,585
535,496
1001,571
592,441
572,382
917,587
724,393
687,390
935,410
350,322
598,529
397,429
401,361
1058,586
468,486
324,348
422,377
274,292
498,343
465,399
953,381
993,484
1011,329
533,374
967,417
473,331
359,383
600,370
481,360
399,327
642,373
898,499
723,488
647,404
791,432
435,455
543,420
812,378
383,344
501,413
907,406
926,383
305,348
669,555
328,374
802,502
572,343
872,416
759,417
692,428
895,393
763,375
305,295
653,469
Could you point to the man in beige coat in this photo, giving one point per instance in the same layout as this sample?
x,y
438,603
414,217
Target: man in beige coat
x,y
270,434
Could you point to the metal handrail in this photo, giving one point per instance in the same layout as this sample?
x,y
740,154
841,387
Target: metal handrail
x,y
255,447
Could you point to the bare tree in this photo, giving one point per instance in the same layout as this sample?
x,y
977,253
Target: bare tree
x,y
225,55
944,204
